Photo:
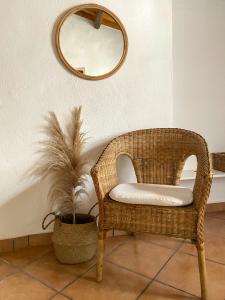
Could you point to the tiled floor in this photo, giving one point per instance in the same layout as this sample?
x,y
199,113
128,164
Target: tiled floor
x,y
140,267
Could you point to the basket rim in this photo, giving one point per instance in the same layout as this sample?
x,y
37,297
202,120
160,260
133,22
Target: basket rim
x,y
85,215
75,224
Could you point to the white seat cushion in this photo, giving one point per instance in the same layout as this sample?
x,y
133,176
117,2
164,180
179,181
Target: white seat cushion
x,y
152,194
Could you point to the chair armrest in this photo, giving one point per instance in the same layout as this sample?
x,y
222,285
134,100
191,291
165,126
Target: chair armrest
x,y
104,174
202,189
200,196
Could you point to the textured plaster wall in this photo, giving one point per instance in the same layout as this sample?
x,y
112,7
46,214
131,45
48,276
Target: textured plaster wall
x,y
199,75
33,81
199,68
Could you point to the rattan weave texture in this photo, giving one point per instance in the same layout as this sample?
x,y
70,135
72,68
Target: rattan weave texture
x,y
219,161
158,156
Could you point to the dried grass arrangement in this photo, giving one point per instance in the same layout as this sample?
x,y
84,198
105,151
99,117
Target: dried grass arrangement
x,y
61,160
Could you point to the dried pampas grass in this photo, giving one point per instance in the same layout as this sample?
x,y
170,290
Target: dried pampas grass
x,y
62,162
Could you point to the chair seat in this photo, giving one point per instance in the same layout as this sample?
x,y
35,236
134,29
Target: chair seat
x,y
152,194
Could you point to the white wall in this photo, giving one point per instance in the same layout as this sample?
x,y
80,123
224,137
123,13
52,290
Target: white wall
x,y
33,81
199,75
199,68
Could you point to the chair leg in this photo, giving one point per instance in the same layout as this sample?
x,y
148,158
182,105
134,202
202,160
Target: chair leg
x,y
100,253
202,271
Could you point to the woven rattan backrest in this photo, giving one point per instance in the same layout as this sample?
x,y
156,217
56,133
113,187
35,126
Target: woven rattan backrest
x,y
158,155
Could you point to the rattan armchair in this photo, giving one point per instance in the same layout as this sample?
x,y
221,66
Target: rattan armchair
x,y
158,156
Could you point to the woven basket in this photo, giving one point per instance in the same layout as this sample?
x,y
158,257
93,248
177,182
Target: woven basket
x,y
218,160
75,243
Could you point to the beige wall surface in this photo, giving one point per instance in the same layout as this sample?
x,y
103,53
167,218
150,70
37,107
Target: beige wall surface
x,y
199,68
199,75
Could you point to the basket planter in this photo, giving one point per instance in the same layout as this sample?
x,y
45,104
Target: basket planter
x,y
62,161
218,160
75,243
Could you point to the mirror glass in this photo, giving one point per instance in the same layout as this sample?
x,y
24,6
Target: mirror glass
x,y
91,42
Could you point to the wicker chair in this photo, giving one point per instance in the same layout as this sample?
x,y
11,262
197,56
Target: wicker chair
x,y
158,156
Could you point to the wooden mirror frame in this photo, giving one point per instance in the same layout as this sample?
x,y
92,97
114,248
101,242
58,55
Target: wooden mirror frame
x,y
60,23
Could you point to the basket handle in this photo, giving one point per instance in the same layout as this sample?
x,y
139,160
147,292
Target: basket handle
x,y
43,222
90,210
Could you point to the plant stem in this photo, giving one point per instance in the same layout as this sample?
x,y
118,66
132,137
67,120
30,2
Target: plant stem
x,y
74,214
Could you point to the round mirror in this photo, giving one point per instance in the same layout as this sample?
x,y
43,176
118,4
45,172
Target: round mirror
x,y
91,41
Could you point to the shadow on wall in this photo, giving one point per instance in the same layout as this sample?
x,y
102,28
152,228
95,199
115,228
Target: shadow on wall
x,y
23,213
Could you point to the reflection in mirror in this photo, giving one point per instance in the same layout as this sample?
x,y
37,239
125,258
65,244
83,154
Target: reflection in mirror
x,y
91,42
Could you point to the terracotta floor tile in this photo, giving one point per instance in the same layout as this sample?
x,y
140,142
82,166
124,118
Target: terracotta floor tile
x,y
165,241
158,291
182,272
6,270
142,257
217,214
21,287
117,284
60,297
117,233
22,257
214,247
215,226
53,273
112,242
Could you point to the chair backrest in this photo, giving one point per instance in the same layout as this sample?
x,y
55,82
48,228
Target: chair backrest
x,y
158,155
